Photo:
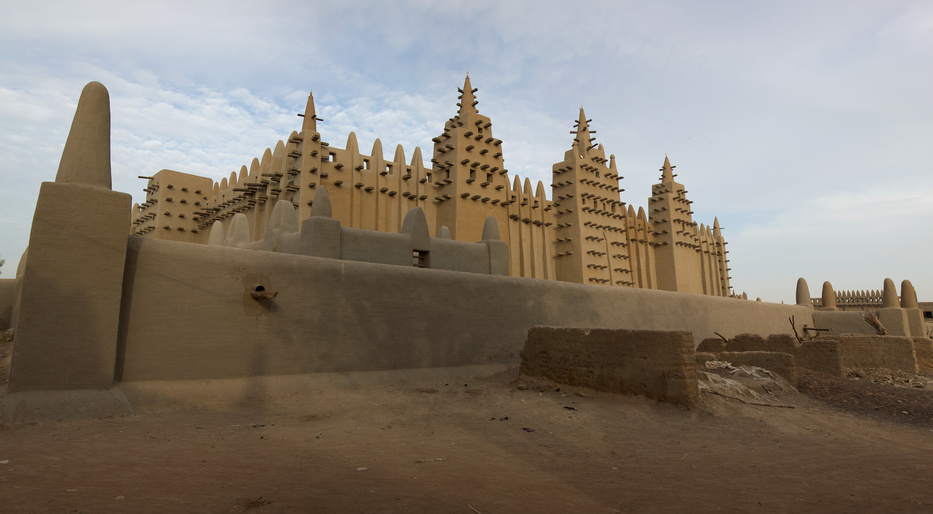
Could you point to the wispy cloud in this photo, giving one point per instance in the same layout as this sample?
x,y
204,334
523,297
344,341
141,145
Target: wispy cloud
x,y
790,121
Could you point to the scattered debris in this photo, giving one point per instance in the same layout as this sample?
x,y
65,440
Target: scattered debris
x,y
436,459
875,322
889,377
737,387
526,429
569,408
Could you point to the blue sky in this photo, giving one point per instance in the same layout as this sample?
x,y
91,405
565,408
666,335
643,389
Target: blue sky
x,y
805,126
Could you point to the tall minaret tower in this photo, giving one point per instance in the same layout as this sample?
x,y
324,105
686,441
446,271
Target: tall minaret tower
x,y
591,245
470,179
677,253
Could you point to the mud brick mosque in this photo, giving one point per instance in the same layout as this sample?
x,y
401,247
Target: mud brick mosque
x,y
316,264
585,234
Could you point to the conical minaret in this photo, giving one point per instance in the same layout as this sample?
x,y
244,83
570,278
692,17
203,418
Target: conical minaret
x,y
306,154
467,102
667,171
591,239
583,138
470,180
679,263
309,123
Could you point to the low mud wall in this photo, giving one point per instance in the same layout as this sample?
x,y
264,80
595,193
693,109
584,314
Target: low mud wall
x,y
7,297
656,364
188,314
888,352
830,354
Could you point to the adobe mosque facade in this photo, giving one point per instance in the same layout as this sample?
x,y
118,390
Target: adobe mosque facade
x,y
311,272
583,234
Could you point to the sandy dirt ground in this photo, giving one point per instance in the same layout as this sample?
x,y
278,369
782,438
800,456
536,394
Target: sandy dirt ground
x,y
490,445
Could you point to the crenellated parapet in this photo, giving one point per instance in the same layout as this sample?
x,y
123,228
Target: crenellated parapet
x,y
583,234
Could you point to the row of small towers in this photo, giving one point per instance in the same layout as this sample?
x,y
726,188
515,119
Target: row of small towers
x,y
831,300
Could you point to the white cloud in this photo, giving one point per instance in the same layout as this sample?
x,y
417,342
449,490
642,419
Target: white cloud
x,y
784,118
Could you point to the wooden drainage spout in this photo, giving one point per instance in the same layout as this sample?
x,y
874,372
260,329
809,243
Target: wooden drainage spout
x,y
259,292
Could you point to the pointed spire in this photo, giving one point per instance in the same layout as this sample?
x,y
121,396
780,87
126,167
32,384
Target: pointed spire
x,y
310,119
582,127
467,100
667,171
86,157
716,230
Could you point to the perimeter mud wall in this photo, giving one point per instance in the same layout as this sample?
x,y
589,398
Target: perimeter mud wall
x,y
7,296
188,313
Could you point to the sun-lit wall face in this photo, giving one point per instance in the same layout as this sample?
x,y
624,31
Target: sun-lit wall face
x,y
584,234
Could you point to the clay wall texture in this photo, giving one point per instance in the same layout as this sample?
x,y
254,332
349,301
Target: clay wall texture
x,y
843,322
332,315
584,235
72,288
923,350
889,352
7,296
656,364
830,354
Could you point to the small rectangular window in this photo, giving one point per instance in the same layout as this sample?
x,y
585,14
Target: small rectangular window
x,y
419,258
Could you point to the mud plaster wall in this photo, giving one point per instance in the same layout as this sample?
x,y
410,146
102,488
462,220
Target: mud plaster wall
x,y
889,352
656,364
828,354
923,351
187,314
7,295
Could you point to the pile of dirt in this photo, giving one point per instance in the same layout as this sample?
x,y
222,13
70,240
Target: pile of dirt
x,y
904,403
889,377
748,384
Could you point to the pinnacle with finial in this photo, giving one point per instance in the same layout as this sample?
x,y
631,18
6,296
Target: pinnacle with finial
x,y
667,171
467,100
310,118
582,131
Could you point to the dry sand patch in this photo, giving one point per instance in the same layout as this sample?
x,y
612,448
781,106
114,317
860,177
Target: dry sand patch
x,y
490,445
